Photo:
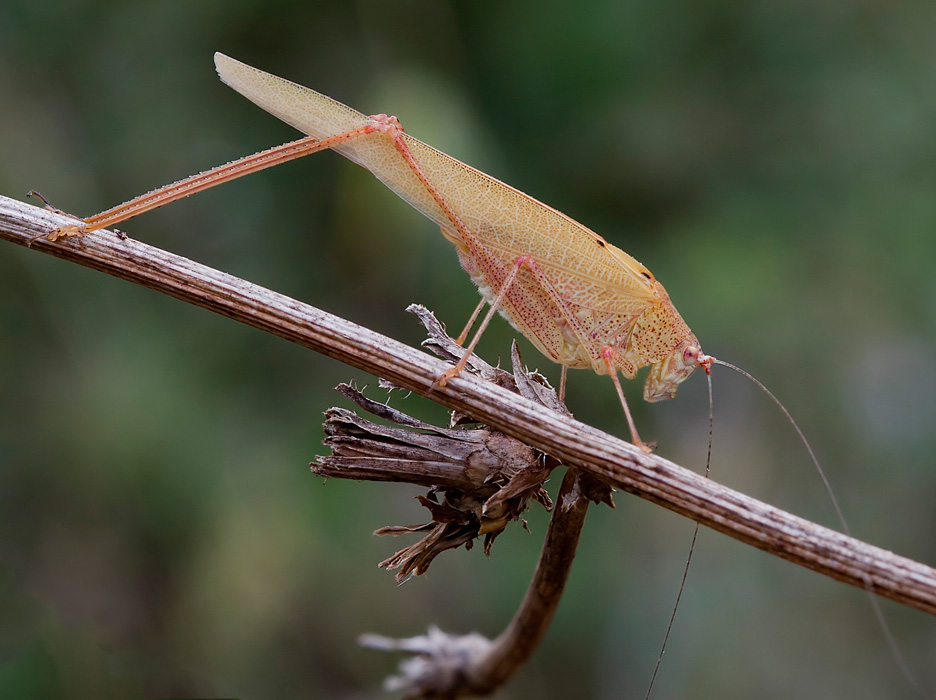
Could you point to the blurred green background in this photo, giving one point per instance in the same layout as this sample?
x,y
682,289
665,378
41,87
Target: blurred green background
x,y
773,162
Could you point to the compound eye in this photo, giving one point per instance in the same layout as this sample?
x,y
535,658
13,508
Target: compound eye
x,y
691,355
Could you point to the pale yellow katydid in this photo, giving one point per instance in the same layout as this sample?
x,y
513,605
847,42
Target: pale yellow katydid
x,y
581,301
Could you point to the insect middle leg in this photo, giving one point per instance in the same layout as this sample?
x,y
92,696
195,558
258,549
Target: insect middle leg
x,y
522,261
463,336
391,127
606,352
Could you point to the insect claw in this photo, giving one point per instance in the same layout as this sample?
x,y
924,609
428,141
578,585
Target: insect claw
x,y
647,447
66,232
443,378
61,231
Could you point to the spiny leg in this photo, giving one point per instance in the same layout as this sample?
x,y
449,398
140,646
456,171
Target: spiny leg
x,y
48,206
209,178
607,354
530,264
393,130
391,127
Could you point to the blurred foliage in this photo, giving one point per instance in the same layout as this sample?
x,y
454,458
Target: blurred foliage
x,y
773,163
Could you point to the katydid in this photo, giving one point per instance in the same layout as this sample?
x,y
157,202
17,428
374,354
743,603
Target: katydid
x,y
583,302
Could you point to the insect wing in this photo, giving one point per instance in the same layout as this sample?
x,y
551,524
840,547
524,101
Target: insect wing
x,y
603,290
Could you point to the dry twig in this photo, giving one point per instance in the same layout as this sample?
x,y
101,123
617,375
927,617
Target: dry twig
x,y
573,443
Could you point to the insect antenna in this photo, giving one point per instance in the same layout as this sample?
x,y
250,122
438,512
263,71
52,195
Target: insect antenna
x,y
875,605
695,534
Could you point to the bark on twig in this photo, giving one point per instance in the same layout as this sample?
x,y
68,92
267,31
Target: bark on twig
x,y
574,443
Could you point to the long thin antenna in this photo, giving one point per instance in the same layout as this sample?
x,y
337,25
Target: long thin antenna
x,y
695,534
802,437
875,605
